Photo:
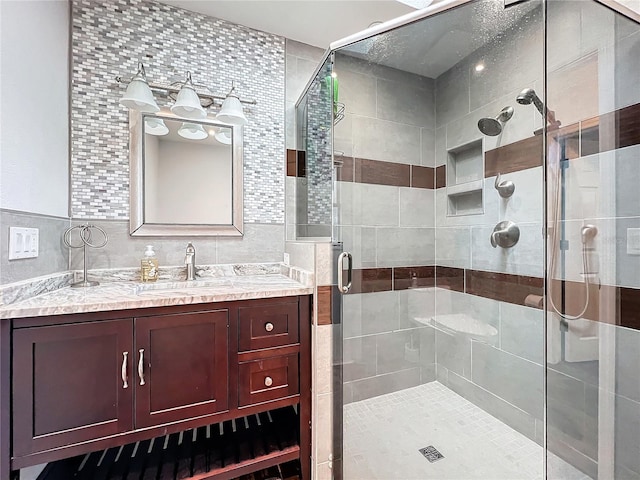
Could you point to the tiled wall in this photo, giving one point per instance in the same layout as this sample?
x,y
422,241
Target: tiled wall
x,y
301,62
109,38
385,137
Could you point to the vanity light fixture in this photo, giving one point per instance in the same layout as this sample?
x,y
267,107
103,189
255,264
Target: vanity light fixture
x,y
231,111
192,131
188,103
138,95
191,99
223,136
155,126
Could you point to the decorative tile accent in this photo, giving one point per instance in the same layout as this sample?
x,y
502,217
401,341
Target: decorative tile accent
x,y
441,176
109,38
324,294
516,156
382,173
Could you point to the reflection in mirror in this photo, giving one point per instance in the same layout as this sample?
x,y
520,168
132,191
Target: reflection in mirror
x,y
186,176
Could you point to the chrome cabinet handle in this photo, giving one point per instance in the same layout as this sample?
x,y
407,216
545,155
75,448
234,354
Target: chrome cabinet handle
x,y
268,381
125,384
341,286
141,366
268,326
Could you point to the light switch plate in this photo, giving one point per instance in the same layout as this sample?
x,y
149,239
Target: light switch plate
x,y
633,241
286,259
23,242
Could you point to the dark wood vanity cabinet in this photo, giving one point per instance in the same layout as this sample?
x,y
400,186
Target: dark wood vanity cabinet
x,y
85,382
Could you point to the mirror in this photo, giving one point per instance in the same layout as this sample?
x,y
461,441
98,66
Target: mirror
x,y
186,176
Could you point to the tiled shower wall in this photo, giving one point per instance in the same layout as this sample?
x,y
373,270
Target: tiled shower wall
x,y
390,119
109,38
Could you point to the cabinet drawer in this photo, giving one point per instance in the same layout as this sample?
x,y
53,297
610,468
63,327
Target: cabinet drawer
x,y
268,379
267,326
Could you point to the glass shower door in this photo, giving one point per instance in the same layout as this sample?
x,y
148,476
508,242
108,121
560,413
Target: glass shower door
x,y
441,340
593,169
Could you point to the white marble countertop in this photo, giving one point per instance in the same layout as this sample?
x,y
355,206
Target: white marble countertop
x,y
125,295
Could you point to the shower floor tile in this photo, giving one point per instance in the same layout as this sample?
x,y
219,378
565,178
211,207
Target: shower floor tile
x,y
383,436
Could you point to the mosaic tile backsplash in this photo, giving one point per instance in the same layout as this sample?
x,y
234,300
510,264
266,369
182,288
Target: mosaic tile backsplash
x,y
110,37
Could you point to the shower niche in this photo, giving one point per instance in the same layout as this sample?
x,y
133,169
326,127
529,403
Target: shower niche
x,y
465,179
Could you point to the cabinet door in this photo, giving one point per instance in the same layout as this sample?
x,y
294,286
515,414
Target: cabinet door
x,y
182,363
68,384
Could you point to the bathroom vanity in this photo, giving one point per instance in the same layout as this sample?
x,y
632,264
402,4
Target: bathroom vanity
x,y
171,385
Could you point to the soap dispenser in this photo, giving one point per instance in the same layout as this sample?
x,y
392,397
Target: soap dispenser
x,y
149,265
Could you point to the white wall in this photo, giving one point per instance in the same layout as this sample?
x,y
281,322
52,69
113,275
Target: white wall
x,y
34,86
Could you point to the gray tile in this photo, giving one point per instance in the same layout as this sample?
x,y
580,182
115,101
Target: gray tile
x,y
405,246
53,255
375,205
452,95
399,102
516,418
627,361
453,353
517,381
522,332
626,180
428,141
400,350
260,243
386,141
357,92
359,358
369,313
303,50
381,384
416,207
627,434
453,247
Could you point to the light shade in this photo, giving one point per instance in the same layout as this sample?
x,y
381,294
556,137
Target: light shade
x,y
231,111
223,136
155,126
192,131
188,103
138,95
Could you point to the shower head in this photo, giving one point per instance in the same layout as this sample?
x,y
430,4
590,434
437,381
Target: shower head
x,y
527,96
493,126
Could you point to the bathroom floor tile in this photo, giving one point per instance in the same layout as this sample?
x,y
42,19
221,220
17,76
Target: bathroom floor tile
x,y
383,436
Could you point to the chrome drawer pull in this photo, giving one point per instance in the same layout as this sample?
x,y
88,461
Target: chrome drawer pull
x,y
268,382
125,384
141,366
268,326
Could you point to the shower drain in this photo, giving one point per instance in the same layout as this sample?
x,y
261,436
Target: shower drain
x,y
431,454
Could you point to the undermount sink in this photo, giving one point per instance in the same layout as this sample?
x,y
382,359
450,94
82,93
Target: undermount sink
x,y
148,288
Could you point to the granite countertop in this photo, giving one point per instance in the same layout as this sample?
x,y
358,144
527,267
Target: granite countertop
x,y
126,294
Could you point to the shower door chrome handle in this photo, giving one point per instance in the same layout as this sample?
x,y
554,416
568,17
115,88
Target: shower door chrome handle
x,y
341,286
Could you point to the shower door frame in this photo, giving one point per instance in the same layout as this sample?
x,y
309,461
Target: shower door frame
x,y
606,417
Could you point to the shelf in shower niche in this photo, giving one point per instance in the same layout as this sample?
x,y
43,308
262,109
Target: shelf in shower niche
x,y
465,179
465,163
464,188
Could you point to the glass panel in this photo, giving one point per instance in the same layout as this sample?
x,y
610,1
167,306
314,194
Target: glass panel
x,y
314,158
443,332
593,173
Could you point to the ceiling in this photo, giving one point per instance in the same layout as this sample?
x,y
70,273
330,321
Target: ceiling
x,y
315,22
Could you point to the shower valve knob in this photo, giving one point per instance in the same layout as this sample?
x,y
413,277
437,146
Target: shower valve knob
x,y
505,188
505,235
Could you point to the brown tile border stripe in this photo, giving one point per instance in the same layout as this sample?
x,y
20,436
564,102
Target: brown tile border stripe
x,y
324,304
382,173
296,163
441,176
422,177
503,287
514,157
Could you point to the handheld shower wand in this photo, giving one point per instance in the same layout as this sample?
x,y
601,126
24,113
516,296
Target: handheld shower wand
x,y
529,96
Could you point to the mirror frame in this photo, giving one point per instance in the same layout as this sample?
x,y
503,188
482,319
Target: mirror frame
x,y
137,226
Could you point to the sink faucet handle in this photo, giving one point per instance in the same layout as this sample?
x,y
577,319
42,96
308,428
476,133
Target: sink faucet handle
x,y
191,248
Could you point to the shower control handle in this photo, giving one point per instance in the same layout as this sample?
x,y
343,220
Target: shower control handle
x,y
505,235
341,286
505,188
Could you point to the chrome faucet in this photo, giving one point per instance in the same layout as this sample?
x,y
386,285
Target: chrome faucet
x,y
190,261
